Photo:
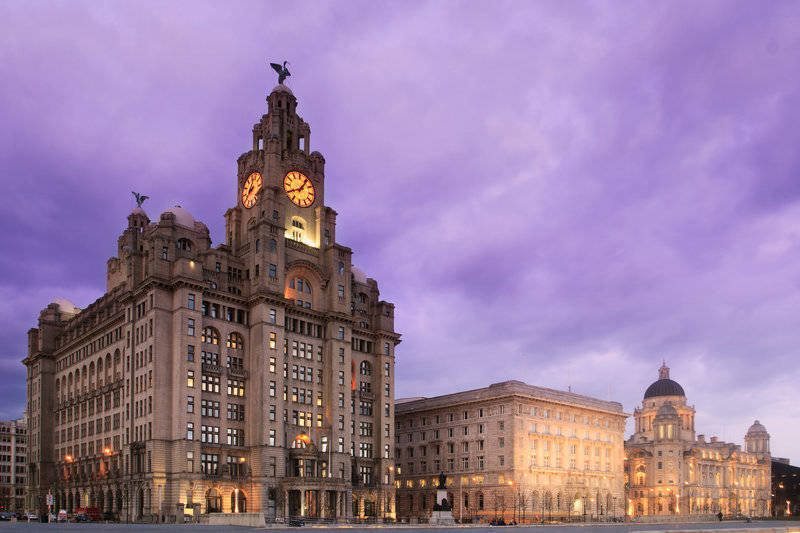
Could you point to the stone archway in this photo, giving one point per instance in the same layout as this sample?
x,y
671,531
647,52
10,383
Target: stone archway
x,y
213,501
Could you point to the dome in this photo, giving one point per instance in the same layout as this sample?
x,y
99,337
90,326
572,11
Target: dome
x,y
664,386
281,88
67,307
182,216
757,428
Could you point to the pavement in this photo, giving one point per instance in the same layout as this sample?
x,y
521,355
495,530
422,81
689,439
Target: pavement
x,y
728,527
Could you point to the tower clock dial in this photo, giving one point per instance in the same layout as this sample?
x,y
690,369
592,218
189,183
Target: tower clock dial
x,y
251,188
299,188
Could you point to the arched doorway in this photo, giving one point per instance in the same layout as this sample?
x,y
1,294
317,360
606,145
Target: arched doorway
x,y
100,500
213,501
140,503
238,501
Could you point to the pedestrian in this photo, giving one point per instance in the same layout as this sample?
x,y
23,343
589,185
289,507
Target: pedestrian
x,y
719,515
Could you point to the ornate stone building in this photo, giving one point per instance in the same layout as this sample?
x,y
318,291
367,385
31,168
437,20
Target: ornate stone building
x,y
669,471
511,450
252,376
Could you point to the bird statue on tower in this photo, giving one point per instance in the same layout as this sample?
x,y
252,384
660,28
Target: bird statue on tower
x,y
282,71
140,198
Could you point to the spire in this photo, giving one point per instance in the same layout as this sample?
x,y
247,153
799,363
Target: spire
x,y
663,372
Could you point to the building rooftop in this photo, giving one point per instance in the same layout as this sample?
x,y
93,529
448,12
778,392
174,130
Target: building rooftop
x,y
505,389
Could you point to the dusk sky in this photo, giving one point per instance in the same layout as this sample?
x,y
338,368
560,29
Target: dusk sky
x,y
563,193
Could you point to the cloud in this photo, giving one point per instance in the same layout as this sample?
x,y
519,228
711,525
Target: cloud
x,y
559,193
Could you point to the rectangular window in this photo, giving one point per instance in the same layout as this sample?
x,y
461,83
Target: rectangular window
x,y
190,302
209,408
190,430
190,378
235,437
209,463
209,434
190,353
271,389
190,461
273,272
209,383
235,387
273,316
190,327
271,440
341,333
190,404
236,412
273,340
272,364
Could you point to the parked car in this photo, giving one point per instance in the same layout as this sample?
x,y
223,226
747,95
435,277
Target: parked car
x,y
62,515
92,512
82,517
31,517
6,515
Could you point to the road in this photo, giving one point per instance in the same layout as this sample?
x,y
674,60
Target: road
x,y
603,528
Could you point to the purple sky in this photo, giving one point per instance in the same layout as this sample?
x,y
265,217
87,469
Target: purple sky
x,y
563,193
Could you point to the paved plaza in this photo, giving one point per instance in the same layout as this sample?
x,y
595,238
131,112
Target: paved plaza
x,y
605,528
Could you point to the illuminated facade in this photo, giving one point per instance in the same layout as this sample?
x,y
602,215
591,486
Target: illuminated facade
x,y
511,450
254,377
669,471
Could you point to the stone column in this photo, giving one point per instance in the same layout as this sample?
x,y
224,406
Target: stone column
x,y
302,502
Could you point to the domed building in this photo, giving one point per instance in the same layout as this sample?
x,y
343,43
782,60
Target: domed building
x,y
670,471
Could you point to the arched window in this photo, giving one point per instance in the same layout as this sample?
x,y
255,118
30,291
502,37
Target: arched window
x,y
213,501
210,335
300,285
340,268
238,501
184,244
235,341
273,245
365,368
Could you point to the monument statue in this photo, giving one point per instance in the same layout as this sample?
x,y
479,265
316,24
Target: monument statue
x,y
442,481
282,71
140,198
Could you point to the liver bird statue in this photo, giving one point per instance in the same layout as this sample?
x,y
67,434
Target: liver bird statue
x,y
282,71
140,198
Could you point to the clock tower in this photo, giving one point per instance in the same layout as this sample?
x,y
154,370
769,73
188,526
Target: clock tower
x,y
280,180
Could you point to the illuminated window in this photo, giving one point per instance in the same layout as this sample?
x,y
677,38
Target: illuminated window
x,y
210,335
235,341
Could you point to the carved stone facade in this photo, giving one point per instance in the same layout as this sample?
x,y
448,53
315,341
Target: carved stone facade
x,y
223,378
511,451
669,471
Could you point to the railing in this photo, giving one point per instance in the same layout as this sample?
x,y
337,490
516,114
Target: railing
x,y
300,247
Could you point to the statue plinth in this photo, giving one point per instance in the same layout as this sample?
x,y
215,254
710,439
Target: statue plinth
x,y
442,514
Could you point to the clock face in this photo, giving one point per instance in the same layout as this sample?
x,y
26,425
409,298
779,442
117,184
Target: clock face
x,y
299,189
250,190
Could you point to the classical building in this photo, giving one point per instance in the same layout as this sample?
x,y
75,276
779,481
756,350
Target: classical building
x,y
13,464
669,471
510,450
252,376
